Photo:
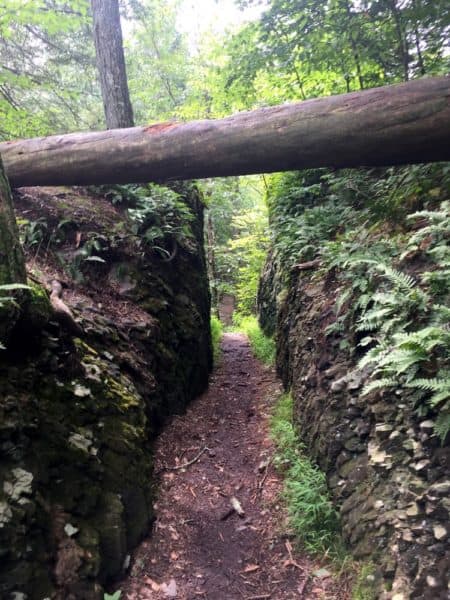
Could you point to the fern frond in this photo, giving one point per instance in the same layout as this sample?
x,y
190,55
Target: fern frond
x,y
376,384
439,397
440,316
434,385
373,318
342,299
374,355
442,425
363,301
398,361
398,278
390,325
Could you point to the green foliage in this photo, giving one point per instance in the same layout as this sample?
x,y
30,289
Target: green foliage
x,y
216,335
298,50
237,238
263,347
312,515
391,266
75,262
32,233
47,74
10,287
116,596
364,587
250,249
162,220
158,60
406,343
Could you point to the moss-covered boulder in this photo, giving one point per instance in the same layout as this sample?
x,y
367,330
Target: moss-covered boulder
x,y
78,415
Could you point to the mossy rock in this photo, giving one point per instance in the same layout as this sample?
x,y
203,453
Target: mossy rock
x,y
37,310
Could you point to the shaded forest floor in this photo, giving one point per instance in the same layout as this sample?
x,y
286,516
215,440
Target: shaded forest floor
x,y
199,547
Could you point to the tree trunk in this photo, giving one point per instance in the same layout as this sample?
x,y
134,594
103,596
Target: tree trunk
x,y
403,46
400,124
353,45
111,64
12,261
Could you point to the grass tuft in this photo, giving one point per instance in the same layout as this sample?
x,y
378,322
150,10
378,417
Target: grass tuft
x,y
216,336
365,587
312,516
263,347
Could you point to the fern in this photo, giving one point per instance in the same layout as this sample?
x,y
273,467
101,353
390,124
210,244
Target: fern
x,y
377,384
439,397
442,425
399,279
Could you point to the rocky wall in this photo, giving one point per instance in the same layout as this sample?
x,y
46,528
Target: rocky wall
x,y
387,471
79,411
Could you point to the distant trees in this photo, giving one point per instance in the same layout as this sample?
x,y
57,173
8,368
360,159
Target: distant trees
x,y
47,68
305,48
158,60
111,64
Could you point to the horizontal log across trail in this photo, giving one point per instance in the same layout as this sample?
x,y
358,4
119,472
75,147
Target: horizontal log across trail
x,y
399,124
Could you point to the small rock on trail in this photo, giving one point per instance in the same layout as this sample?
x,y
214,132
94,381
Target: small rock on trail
x,y
220,531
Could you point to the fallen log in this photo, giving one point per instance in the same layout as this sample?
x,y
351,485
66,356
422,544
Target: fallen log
x,y
399,124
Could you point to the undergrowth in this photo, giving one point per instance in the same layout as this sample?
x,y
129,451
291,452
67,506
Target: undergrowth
x,y
381,236
364,586
216,336
312,516
263,346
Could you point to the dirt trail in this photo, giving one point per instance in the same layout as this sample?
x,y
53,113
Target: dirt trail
x,y
197,549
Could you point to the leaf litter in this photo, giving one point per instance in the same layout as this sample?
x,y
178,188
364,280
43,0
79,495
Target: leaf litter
x,y
222,452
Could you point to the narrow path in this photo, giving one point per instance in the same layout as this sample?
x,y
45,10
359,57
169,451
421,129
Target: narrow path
x,y
199,549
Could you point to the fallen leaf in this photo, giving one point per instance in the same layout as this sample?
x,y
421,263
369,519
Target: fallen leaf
x,y
155,586
322,573
70,530
170,589
237,506
251,568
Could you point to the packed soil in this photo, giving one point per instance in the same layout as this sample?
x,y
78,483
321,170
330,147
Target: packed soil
x,y
200,547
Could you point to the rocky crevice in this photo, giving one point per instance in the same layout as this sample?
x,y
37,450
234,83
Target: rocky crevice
x,y
387,471
78,414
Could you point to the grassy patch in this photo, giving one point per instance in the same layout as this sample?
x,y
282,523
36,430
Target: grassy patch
x,y
216,336
364,588
263,347
311,513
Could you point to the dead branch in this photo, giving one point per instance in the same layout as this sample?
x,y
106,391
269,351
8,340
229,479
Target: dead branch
x,y
183,465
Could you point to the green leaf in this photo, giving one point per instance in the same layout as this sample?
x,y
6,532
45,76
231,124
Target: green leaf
x,y
116,596
14,286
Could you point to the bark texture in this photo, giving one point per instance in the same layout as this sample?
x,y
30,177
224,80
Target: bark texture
x,y
399,124
111,64
12,262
